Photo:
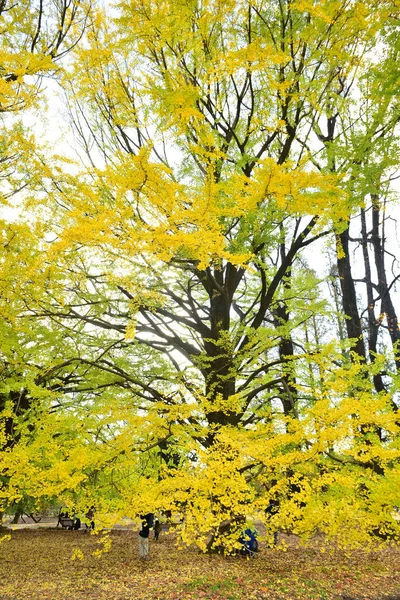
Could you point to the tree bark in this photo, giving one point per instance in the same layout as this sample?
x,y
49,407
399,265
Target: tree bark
x,y
387,307
349,297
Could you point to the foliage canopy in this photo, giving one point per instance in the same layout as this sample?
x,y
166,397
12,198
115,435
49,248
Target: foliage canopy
x,y
173,342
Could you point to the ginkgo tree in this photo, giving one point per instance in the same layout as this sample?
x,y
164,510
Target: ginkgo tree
x,y
34,38
217,159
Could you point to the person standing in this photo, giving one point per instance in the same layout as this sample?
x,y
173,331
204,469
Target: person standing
x,y
90,516
272,509
144,539
157,529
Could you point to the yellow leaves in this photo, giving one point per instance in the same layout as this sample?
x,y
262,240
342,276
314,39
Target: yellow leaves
x,y
288,455
15,92
324,11
130,331
217,88
24,63
147,211
139,208
5,538
254,57
175,71
292,189
232,404
357,20
177,104
77,554
105,543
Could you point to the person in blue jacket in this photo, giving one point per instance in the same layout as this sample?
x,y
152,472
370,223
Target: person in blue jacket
x,y
249,542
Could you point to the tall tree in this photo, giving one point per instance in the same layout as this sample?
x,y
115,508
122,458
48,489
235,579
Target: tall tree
x,y
209,176
34,37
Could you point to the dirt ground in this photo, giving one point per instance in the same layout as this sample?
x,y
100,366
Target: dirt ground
x,y
47,563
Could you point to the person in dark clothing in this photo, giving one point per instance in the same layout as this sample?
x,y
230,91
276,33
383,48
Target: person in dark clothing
x,y
63,515
249,542
90,515
157,529
144,538
149,518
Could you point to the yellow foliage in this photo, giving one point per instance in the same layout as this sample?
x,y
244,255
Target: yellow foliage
x,y
150,310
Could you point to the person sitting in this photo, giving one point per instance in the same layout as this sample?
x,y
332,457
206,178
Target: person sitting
x,y
62,516
249,542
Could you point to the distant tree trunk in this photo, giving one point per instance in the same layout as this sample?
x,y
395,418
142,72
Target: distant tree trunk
x,y
286,350
373,323
318,345
349,297
17,516
387,308
353,321
337,301
310,366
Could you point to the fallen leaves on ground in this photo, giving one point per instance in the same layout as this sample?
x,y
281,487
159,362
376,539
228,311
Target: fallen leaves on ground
x,y
39,565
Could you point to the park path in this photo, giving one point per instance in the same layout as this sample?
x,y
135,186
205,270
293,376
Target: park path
x,y
50,522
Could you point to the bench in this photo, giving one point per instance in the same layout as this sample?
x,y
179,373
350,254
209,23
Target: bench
x,y
65,521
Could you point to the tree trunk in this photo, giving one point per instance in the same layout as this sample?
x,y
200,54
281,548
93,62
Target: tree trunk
x,y
373,323
349,297
387,307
